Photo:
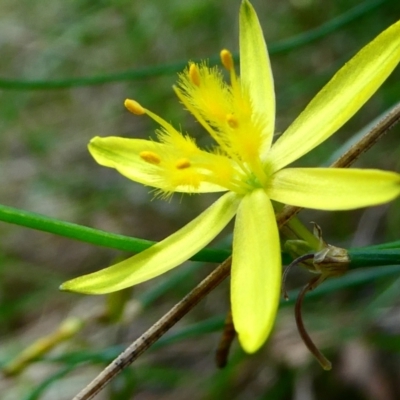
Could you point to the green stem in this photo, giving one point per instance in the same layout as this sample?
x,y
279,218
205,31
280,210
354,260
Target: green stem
x,y
94,236
373,257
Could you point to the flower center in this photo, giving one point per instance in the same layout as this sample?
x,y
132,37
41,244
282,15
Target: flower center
x,y
226,112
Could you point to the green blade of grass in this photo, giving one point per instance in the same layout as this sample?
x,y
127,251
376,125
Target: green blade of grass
x,y
94,236
279,47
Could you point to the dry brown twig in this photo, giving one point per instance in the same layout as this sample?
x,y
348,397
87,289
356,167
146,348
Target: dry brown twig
x,y
222,271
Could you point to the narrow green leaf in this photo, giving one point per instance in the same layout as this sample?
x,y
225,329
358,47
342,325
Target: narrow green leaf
x,y
94,236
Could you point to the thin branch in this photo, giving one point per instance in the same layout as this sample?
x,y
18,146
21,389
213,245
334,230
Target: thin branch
x,y
366,142
156,331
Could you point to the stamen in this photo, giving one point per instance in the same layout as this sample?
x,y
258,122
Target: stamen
x,y
182,163
150,157
134,107
232,121
227,62
227,59
194,74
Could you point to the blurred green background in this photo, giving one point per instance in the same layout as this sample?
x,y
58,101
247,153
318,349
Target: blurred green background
x,y
81,59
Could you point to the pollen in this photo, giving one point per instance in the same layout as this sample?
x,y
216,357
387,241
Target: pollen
x,y
194,74
134,107
150,157
232,121
182,163
227,59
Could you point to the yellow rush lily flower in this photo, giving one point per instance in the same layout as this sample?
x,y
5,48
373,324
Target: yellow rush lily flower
x,y
240,117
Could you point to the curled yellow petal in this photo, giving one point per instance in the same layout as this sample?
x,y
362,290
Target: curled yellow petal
x,y
163,256
340,99
256,270
333,188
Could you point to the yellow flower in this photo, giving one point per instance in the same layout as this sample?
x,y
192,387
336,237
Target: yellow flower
x,y
240,117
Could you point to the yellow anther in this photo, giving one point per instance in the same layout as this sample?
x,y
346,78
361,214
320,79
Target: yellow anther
x,y
134,107
194,74
150,157
182,163
227,59
232,121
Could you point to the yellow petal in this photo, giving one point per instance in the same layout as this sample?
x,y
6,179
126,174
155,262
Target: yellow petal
x,y
137,160
340,99
333,188
256,270
161,257
255,69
